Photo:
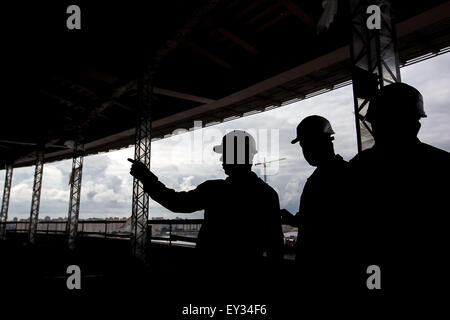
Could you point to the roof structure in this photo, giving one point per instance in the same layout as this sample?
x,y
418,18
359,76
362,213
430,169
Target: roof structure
x,y
213,61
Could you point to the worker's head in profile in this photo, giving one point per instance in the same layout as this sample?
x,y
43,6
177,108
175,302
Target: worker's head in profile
x,y
314,134
238,149
394,115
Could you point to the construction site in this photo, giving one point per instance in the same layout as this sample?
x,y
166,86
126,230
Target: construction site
x,y
136,72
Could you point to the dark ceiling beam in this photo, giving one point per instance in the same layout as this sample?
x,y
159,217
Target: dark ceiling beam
x,y
226,102
96,111
48,144
209,55
271,22
123,89
180,95
328,84
268,100
244,44
99,109
309,67
183,33
170,45
298,12
100,76
103,117
51,144
116,93
232,4
60,100
73,85
423,20
19,143
250,8
293,91
123,106
264,13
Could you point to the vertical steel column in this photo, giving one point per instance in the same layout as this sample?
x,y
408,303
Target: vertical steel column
x,y
375,61
75,194
140,207
5,201
36,197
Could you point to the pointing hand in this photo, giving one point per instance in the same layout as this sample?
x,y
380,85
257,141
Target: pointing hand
x,y
141,172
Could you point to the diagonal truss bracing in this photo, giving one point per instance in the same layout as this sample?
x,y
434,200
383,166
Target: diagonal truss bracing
x,y
140,205
36,196
75,195
374,58
5,201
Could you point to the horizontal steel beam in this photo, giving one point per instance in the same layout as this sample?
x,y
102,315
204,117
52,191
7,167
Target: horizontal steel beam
x,y
180,95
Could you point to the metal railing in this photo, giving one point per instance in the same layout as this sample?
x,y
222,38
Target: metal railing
x,y
177,230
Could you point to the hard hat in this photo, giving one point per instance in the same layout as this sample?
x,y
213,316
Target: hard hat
x,y
238,147
397,101
313,126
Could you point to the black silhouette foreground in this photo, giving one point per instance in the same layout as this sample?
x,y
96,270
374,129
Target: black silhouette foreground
x,y
401,187
319,219
241,213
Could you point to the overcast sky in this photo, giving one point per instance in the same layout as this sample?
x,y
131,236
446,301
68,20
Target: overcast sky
x,y
182,162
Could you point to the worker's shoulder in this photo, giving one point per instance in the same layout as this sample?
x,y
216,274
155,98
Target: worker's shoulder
x,y
213,183
362,156
266,189
340,163
435,153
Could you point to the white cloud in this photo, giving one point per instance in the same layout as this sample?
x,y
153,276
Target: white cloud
x,y
186,184
107,185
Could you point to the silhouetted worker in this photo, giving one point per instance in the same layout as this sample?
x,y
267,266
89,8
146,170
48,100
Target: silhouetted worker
x,y
401,188
241,213
321,203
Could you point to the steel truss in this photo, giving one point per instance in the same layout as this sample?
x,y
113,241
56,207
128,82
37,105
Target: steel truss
x,y
36,196
375,61
75,194
5,201
142,149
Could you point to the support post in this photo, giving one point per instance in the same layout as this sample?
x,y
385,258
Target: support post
x,y
5,201
140,207
374,58
36,196
75,194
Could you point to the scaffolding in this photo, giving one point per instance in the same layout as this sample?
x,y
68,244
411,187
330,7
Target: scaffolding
x,y
75,194
375,61
5,201
36,196
140,205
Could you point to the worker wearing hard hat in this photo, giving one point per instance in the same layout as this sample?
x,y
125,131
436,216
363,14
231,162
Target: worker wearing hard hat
x,y
241,212
400,189
321,199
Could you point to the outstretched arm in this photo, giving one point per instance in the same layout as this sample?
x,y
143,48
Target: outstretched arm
x,y
182,202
